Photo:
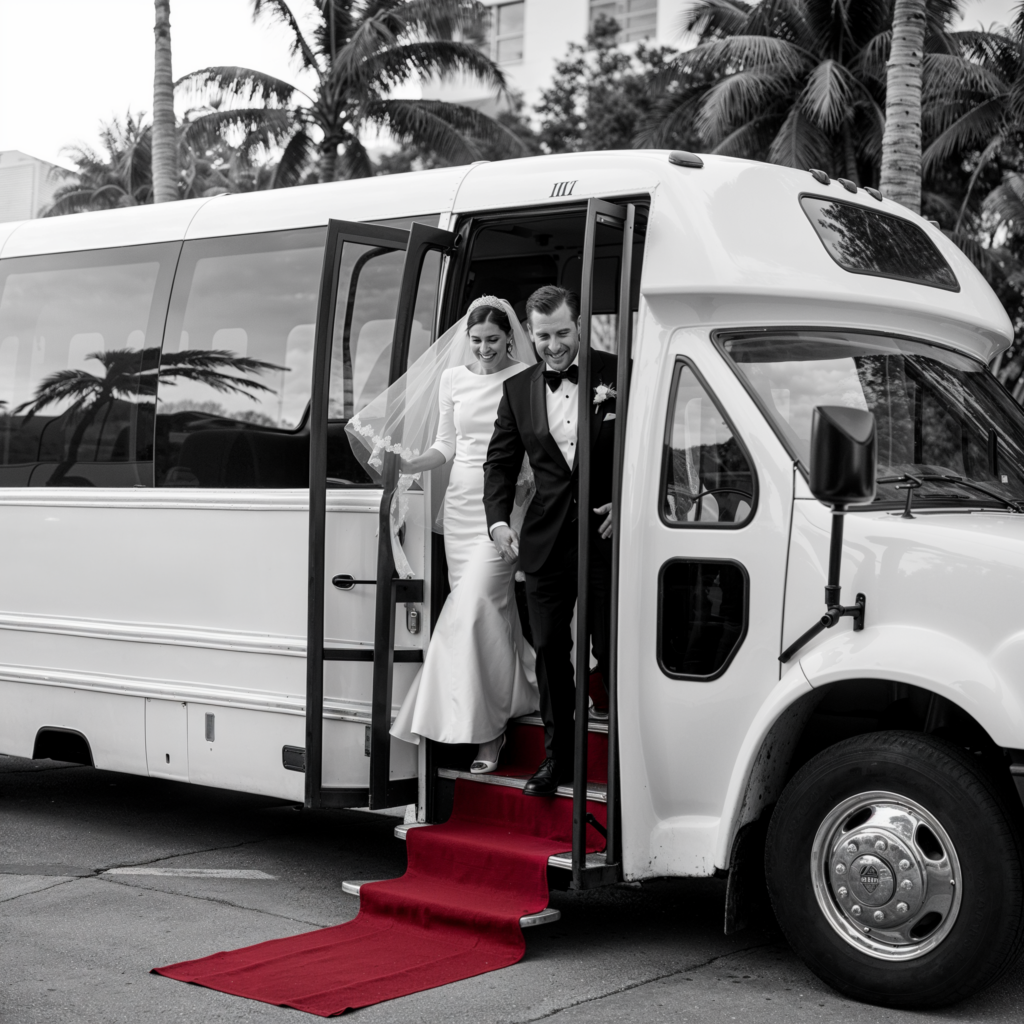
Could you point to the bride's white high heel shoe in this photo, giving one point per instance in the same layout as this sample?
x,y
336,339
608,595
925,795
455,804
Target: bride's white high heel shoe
x,y
483,767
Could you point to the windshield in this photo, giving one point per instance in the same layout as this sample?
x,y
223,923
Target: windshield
x,y
942,420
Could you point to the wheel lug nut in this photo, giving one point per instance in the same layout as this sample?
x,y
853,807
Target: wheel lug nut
x,y
840,869
843,892
855,910
878,915
904,864
901,908
880,844
906,885
851,847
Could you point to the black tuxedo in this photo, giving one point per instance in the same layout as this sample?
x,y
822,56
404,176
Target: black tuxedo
x,y
548,545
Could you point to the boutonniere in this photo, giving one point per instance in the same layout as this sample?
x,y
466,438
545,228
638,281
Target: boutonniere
x,y
602,393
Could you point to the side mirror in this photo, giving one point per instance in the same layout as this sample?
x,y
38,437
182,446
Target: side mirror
x,y
843,456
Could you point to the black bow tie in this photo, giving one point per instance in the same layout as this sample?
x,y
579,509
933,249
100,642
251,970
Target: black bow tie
x,y
554,378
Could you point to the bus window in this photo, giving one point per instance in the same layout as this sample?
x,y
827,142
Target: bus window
x,y
236,362
702,616
706,476
79,339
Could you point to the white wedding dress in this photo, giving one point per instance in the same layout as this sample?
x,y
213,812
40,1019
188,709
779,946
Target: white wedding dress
x,y
479,671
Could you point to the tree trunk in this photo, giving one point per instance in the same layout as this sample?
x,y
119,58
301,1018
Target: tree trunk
x,y
165,142
901,143
328,163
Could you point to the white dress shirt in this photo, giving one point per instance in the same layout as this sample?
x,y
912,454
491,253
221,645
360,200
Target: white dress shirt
x,y
563,416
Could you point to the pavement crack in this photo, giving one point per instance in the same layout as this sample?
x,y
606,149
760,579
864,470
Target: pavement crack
x,y
182,853
646,981
35,892
123,880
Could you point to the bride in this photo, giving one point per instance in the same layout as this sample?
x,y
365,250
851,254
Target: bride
x,y
478,671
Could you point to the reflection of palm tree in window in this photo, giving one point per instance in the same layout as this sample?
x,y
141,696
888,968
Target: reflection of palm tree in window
x,y
131,375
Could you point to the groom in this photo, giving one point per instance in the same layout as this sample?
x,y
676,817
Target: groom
x,y
538,416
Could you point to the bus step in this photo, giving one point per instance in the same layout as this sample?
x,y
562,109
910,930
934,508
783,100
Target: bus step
x,y
562,861
549,915
596,791
593,725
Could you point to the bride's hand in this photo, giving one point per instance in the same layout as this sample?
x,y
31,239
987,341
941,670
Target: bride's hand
x,y
506,540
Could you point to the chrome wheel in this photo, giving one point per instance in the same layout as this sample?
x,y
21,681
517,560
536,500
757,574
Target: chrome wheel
x,y
886,875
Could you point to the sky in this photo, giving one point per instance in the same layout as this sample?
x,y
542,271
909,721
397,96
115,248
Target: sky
x,y
66,65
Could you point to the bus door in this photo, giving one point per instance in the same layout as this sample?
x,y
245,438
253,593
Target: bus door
x,y
607,302
366,628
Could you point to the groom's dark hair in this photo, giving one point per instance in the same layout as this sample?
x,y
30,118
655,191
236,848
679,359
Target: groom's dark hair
x,y
550,298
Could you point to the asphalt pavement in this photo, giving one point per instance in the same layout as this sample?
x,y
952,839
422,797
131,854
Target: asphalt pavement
x,y
213,870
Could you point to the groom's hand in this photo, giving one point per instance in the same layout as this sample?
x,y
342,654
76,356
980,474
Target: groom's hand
x,y
506,540
605,529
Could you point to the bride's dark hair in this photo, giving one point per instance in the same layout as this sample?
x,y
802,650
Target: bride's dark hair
x,y
489,314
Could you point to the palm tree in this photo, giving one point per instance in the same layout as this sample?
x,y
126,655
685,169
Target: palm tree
x,y
901,143
796,82
357,53
130,375
118,176
165,142
974,106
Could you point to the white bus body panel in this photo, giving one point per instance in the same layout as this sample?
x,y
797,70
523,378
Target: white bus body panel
x,y
116,597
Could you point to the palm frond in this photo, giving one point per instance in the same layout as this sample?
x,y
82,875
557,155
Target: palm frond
x,y
971,129
751,140
739,98
827,96
298,155
245,84
448,129
438,59
800,142
707,18
282,13
269,124
354,161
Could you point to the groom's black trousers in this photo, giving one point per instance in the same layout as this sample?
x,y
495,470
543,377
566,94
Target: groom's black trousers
x,y
551,600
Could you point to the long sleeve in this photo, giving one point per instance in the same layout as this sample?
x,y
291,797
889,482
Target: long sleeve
x,y
445,440
504,461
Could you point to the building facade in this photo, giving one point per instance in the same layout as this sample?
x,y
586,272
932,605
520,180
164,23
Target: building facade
x,y
528,37
27,185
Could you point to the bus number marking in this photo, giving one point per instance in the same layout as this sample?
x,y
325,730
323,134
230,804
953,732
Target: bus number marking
x,y
562,188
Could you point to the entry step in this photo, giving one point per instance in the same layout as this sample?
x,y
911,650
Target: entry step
x,y
596,791
556,860
549,915
593,725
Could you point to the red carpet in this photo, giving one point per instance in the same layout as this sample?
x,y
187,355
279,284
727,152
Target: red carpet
x,y
452,915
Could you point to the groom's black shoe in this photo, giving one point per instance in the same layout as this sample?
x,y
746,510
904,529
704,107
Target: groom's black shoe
x,y
546,779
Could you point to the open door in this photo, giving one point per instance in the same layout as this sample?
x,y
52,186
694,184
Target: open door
x,y
372,280
609,228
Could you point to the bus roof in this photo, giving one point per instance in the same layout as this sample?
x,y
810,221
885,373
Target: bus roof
x,y
727,242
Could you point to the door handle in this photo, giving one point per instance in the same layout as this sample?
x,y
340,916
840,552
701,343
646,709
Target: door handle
x,y
343,581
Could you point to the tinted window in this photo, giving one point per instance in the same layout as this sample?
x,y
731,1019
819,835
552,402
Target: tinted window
x,y
79,341
707,479
369,282
702,616
941,417
866,241
237,358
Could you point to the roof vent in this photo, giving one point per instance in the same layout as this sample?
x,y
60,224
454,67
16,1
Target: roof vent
x,y
819,176
681,158
874,193
847,184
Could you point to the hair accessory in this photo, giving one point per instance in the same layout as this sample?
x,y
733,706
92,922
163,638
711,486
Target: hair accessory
x,y
487,300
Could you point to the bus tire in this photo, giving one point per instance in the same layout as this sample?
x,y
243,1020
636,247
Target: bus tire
x,y
894,865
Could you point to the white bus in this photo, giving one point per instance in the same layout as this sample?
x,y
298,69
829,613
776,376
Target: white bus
x,y
198,577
